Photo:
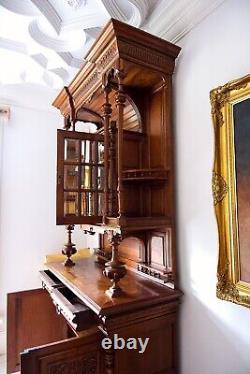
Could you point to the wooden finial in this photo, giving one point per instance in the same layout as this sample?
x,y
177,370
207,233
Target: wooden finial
x,y
114,269
69,248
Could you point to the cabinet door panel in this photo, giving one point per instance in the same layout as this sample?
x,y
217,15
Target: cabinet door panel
x,y
80,177
80,355
31,320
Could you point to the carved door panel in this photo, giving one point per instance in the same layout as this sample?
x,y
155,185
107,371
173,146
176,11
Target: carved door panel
x,y
31,320
78,355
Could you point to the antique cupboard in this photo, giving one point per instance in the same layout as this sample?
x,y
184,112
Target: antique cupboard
x,y
115,177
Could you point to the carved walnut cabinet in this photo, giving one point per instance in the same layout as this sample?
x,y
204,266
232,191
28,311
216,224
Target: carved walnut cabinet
x,y
115,177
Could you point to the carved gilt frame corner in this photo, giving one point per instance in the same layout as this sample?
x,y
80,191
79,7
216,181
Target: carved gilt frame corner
x,y
230,287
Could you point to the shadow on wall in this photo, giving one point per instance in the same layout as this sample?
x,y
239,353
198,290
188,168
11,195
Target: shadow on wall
x,y
210,333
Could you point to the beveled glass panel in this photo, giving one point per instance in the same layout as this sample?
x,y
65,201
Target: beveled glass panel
x,y
85,151
100,204
100,178
92,155
100,153
70,176
87,204
86,177
94,177
70,203
71,150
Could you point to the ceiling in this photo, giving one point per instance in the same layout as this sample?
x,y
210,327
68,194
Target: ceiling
x,y
44,42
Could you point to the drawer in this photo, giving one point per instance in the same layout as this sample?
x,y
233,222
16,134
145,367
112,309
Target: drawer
x,y
77,314
49,280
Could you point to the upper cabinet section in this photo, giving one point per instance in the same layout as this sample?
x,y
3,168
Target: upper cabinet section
x,y
124,89
143,58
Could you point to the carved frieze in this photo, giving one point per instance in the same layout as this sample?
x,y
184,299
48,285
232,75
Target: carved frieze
x,y
107,57
144,54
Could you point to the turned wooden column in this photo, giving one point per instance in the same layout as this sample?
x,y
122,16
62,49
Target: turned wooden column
x,y
109,361
120,103
107,111
112,171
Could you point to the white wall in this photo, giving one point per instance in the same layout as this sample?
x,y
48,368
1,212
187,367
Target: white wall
x,y
215,335
28,189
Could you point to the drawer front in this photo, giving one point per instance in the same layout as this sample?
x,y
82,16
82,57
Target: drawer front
x,y
49,280
78,315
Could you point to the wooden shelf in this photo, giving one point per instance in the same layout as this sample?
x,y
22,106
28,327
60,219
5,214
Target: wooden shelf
x,y
143,175
128,224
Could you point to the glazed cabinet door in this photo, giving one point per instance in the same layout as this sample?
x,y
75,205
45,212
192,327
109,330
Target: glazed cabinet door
x,y
80,177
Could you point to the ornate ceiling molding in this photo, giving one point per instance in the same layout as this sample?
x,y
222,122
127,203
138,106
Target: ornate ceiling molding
x,y
114,10
56,44
68,28
70,60
12,45
49,13
138,8
75,4
139,12
61,72
89,20
172,19
40,59
24,7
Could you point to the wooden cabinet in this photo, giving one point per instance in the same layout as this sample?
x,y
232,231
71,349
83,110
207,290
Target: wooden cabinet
x,y
117,181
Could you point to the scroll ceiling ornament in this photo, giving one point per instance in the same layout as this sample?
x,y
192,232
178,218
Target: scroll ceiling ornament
x,y
230,286
75,4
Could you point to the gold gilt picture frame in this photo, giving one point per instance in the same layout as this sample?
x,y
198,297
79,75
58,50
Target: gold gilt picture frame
x,y
231,188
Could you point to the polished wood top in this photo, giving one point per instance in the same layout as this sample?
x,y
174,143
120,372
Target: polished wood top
x,y
86,280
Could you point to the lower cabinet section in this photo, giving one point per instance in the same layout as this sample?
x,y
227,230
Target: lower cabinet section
x,y
44,338
159,354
